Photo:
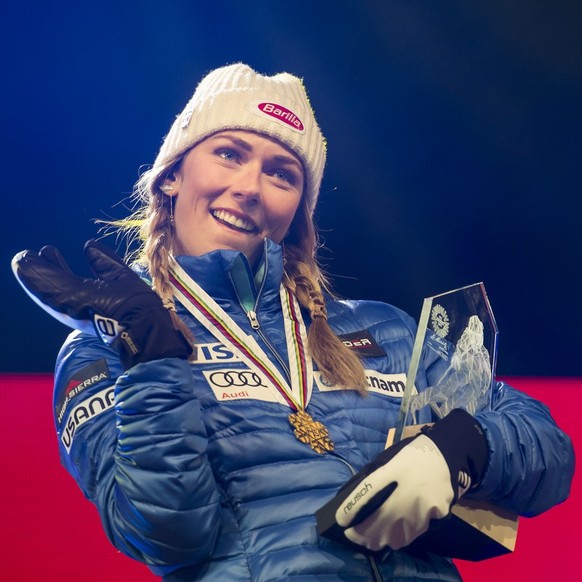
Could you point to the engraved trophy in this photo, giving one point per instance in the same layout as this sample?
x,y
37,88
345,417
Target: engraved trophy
x,y
458,330
457,334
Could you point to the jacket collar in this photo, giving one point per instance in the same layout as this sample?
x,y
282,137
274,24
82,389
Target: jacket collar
x,y
215,272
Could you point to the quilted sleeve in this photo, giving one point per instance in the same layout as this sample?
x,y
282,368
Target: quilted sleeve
x,y
136,444
531,461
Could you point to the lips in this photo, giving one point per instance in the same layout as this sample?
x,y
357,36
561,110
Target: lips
x,y
234,221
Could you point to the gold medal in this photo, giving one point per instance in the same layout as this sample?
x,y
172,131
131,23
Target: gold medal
x,y
311,432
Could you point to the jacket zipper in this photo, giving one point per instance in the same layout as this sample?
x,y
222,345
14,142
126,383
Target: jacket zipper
x,y
255,324
374,568
254,321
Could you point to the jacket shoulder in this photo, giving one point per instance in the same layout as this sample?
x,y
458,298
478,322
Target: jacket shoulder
x,y
79,351
390,322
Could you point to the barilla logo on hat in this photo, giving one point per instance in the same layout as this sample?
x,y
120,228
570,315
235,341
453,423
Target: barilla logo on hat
x,y
282,114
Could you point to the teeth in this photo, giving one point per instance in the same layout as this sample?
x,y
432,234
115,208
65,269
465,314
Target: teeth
x,y
229,218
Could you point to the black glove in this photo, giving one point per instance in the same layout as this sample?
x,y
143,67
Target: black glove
x,y
118,306
393,499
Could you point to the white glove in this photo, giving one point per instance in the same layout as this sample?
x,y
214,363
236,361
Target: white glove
x,y
420,481
393,499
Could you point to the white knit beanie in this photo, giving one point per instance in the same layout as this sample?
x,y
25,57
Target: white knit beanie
x,y
236,97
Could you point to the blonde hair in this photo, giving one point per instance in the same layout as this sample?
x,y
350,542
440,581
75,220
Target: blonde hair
x,y
150,225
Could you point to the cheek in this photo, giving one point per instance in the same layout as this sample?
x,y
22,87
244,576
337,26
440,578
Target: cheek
x,y
193,196
282,219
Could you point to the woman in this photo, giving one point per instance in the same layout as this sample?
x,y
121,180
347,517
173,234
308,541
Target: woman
x,y
220,409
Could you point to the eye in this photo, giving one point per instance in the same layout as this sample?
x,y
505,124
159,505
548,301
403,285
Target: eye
x,y
284,176
227,154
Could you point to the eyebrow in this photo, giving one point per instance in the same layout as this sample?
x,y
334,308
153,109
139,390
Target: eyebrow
x,y
239,142
282,159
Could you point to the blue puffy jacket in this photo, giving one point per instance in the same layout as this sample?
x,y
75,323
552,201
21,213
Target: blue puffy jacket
x,y
195,470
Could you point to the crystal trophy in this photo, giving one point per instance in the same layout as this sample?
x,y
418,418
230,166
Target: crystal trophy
x,y
457,336
457,331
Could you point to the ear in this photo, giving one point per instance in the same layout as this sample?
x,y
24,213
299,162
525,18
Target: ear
x,y
171,184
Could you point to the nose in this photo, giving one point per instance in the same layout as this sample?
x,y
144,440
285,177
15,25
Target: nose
x,y
247,186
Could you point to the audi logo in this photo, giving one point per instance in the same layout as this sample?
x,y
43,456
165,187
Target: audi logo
x,y
236,378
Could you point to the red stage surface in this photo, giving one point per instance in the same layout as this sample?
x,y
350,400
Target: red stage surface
x,y
50,532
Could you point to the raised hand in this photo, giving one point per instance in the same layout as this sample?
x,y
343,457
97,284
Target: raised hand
x,y
117,304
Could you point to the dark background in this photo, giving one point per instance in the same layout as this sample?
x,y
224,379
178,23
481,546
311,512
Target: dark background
x,y
454,134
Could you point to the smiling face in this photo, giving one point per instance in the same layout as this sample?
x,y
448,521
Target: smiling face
x,y
234,189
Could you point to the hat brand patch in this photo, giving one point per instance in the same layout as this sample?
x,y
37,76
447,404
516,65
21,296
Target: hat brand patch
x,y
282,114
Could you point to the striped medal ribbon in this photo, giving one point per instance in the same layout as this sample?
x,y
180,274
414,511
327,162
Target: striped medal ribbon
x,y
209,314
